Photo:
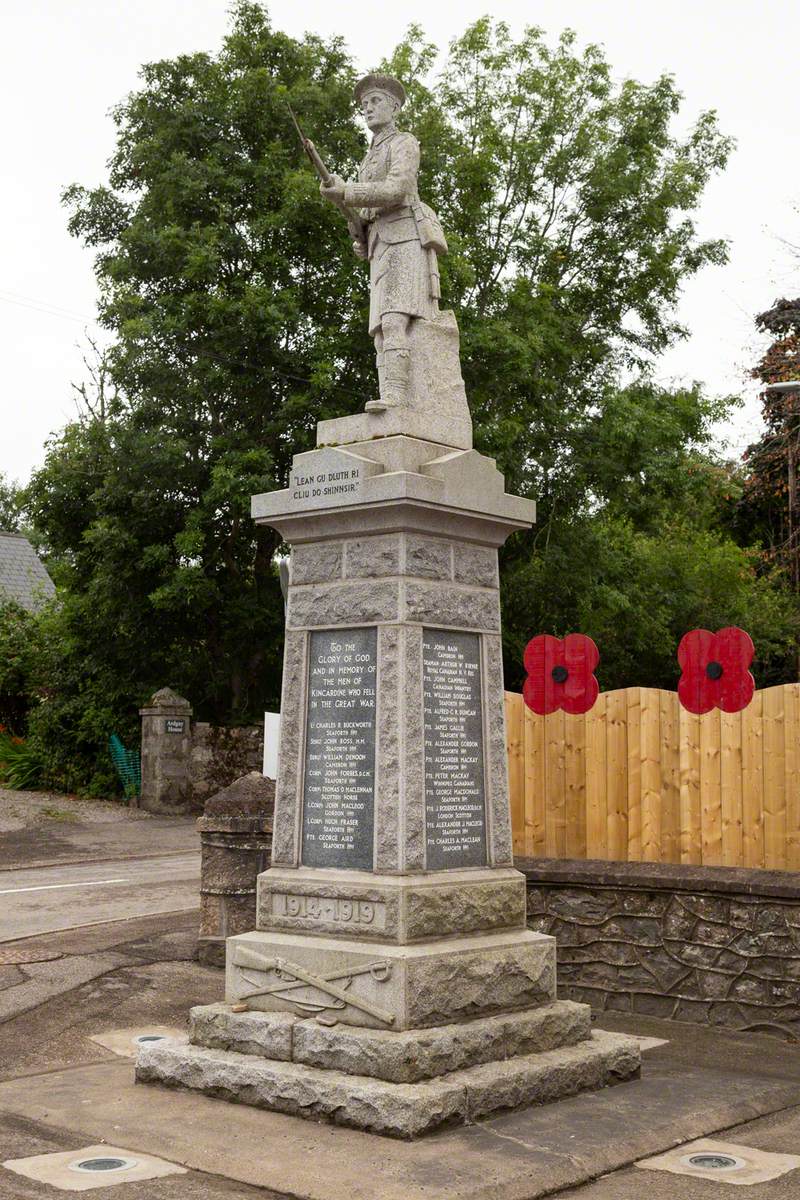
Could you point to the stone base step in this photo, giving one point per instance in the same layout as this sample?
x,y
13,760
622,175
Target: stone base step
x,y
397,1057
401,1110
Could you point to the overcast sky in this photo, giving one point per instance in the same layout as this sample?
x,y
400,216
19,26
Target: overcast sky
x,y
66,62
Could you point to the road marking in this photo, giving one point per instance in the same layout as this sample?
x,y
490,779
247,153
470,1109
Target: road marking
x,y
48,887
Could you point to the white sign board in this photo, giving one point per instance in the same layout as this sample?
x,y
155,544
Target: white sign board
x,y
272,729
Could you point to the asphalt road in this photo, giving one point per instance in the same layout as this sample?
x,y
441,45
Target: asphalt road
x,y
37,900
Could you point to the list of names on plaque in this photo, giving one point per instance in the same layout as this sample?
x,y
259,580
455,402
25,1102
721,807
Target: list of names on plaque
x,y
455,803
339,792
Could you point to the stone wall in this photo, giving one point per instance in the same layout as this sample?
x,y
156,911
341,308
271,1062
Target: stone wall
x,y
714,945
221,754
185,761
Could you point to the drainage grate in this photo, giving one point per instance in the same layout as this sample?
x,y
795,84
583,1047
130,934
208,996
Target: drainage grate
x,y
104,1164
714,1162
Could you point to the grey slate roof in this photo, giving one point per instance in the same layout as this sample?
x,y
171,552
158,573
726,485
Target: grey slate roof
x,y
22,576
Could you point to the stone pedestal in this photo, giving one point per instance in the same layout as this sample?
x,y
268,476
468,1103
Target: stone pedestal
x,y
390,982
235,842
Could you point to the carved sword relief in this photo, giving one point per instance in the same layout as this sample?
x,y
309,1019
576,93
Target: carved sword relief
x,y
293,977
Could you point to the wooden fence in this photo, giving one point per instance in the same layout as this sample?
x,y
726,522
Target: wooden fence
x,y
640,779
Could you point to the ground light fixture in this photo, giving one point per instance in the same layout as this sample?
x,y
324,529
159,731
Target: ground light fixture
x,y
723,1162
86,1168
714,1162
106,1163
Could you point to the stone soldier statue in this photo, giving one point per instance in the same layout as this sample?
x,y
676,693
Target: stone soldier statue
x,y
403,237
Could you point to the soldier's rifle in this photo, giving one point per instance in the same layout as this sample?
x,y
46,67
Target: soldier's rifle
x,y
355,225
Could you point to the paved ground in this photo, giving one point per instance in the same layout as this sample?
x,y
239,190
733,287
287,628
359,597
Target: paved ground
x,y
778,1134
45,899
40,829
59,1090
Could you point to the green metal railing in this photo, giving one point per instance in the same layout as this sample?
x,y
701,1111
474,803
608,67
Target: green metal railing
x,y
128,765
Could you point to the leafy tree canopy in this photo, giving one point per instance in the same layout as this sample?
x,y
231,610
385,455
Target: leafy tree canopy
x,y
11,505
769,508
239,320
19,643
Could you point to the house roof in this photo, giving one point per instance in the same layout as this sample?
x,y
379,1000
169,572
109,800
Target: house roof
x,y
22,576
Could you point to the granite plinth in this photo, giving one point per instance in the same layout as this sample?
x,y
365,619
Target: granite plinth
x,y
390,986
400,1110
452,432
425,486
390,908
397,1057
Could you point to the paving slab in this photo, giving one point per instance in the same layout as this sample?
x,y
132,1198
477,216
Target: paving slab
x,y
20,1139
777,1133
518,1156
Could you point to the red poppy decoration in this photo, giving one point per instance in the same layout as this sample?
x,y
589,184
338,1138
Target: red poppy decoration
x,y
715,670
560,673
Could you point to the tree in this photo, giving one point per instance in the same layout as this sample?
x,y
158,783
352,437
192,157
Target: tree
x,y
11,505
238,319
568,203
770,501
18,656
768,513
234,307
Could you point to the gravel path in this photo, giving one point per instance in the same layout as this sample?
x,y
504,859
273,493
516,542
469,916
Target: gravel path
x,y
27,810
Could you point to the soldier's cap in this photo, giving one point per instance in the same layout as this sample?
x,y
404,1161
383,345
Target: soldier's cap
x,y
380,83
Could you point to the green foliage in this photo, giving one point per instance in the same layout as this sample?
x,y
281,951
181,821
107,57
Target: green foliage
x,y
20,763
231,291
769,509
568,202
239,320
19,645
637,592
85,697
10,506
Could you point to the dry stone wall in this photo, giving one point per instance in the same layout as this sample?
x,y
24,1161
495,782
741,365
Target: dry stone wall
x,y
221,754
713,945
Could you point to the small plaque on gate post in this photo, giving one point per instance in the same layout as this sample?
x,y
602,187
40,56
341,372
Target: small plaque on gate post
x,y
339,788
455,792
175,725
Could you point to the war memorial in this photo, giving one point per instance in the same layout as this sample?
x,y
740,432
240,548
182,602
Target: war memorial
x,y
391,983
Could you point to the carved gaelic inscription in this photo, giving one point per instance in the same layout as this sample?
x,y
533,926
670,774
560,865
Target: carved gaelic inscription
x,y
337,485
455,807
339,793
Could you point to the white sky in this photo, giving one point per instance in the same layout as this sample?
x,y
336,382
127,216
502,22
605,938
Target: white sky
x,y
64,63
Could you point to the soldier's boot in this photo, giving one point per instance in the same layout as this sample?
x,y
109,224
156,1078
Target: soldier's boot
x,y
377,405
393,380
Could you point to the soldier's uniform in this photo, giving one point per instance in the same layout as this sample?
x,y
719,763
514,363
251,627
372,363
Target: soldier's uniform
x,y
404,236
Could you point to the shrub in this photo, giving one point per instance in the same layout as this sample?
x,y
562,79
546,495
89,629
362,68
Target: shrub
x,y
20,762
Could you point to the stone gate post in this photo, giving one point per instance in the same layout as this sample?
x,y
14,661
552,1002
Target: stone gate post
x,y
166,753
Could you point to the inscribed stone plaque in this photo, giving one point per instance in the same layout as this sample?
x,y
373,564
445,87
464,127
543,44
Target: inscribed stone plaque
x,y
339,791
175,725
338,482
455,802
